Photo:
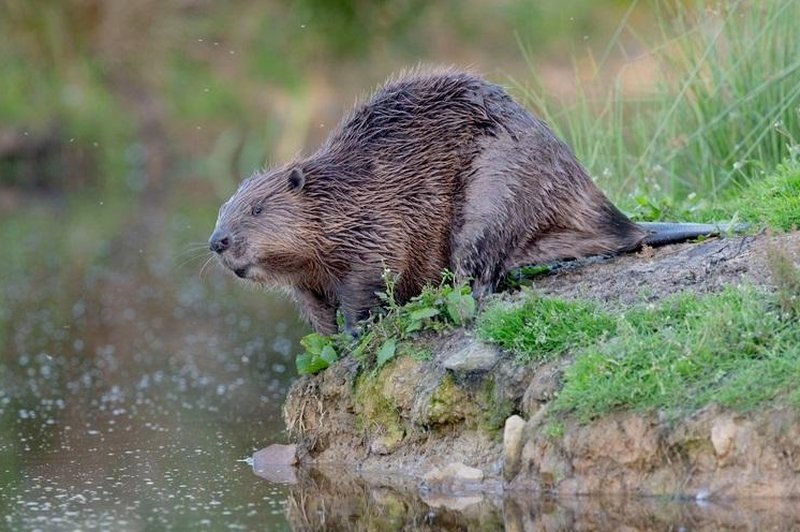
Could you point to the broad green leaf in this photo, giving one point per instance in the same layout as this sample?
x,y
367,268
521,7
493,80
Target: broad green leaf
x,y
329,354
314,343
387,351
423,313
303,363
308,364
414,326
460,307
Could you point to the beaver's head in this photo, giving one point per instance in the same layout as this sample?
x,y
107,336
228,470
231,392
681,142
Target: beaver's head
x,y
264,227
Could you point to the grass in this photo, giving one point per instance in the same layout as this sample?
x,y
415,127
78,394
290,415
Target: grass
x,y
725,108
773,200
543,328
737,349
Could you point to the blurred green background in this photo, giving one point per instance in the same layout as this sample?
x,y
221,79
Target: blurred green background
x,y
114,94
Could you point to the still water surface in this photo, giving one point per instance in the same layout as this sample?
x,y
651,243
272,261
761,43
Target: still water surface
x,y
134,383
131,387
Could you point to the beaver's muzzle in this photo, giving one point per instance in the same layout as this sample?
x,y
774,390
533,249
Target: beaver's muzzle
x,y
220,241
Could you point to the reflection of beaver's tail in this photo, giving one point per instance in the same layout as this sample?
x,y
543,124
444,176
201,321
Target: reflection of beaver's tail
x,y
661,233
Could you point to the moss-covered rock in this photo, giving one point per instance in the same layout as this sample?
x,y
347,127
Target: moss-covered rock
x,y
448,405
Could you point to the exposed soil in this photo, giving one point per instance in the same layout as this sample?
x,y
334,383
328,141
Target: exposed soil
x,y
440,425
655,273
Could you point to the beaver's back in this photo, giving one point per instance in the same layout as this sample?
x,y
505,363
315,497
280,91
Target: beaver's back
x,y
403,156
442,160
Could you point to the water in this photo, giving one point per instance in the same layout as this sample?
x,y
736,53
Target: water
x,y
134,383
130,386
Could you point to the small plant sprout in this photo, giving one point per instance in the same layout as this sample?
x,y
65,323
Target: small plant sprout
x,y
393,330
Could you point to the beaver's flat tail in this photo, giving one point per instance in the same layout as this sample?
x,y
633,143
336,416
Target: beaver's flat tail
x,y
663,233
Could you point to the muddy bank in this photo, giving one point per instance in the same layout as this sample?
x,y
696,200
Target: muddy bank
x,y
473,419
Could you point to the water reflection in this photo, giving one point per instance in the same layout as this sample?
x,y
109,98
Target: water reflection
x,y
331,498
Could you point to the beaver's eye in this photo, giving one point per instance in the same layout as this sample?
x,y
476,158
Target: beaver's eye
x,y
256,210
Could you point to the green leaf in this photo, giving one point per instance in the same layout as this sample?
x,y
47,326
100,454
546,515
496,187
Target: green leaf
x,y
360,350
329,354
314,343
387,351
423,313
460,307
308,364
303,362
647,209
414,326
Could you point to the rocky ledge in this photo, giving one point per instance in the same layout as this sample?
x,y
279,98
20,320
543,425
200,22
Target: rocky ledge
x,y
474,418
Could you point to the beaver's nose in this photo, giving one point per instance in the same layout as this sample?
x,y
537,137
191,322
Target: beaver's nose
x,y
220,241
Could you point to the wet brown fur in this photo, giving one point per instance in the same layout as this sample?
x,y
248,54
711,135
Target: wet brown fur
x,y
438,170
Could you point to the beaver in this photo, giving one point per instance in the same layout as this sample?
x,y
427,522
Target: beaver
x,y
438,170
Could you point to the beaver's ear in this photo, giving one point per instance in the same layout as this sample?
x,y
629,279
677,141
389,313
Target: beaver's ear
x,y
296,180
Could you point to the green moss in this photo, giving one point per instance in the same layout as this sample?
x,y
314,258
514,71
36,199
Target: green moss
x,y
544,328
375,412
448,404
417,350
493,409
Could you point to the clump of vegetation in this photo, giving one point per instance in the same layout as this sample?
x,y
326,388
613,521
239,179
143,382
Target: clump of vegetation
x,y
736,348
319,354
773,200
542,328
447,405
391,332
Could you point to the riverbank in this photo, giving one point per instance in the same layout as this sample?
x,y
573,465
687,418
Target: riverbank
x,y
666,372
